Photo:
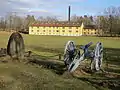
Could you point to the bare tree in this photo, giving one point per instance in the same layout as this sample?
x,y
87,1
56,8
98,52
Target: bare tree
x,y
110,21
28,21
2,23
48,19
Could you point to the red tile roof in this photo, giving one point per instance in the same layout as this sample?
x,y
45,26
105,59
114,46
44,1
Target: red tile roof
x,y
58,24
90,26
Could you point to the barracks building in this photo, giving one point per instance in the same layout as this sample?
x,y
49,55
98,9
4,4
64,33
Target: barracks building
x,y
63,29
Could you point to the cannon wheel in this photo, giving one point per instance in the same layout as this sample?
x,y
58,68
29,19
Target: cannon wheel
x,y
67,59
98,57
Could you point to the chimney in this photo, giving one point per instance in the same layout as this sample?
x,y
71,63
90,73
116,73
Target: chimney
x,y
69,11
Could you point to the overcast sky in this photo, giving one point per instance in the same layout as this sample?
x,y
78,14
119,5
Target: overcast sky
x,y
57,8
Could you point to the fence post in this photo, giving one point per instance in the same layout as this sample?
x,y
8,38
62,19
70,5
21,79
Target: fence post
x,y
106,59
29,53
60,56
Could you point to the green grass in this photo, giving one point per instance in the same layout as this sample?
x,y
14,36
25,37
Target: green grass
x,y
27,77
58,42
20,76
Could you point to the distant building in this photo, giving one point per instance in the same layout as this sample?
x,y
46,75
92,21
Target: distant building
x,y
90,30
63,29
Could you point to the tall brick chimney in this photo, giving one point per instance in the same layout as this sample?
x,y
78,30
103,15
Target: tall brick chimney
x,y
69,11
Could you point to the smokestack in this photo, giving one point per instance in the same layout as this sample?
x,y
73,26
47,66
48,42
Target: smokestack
x,y
69,14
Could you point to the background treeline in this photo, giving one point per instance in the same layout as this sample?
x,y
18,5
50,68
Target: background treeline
x,y
108,21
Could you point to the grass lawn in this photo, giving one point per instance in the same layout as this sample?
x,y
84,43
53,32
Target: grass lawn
x,y
20,76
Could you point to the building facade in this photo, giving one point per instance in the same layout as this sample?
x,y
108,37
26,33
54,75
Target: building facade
x,y
63,29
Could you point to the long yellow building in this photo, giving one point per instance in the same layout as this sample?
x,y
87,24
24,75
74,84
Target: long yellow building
x,y
63,29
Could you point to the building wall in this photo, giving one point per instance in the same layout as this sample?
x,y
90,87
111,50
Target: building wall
x,y
90,32
62,31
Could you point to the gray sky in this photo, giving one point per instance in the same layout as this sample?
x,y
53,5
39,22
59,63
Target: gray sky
x,y
57,8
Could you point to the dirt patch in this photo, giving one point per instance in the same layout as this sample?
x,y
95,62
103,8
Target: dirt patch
x,y
112,75
67,75
81,72
5,82
4,33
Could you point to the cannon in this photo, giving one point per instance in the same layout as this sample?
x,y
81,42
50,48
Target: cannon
x,y
72,61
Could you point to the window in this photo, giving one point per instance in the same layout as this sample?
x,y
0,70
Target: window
x,y
70,31
37,30
70,27
76,31
31,30
76,27
63,27
57,31
95,30
63,30
49,30
43,30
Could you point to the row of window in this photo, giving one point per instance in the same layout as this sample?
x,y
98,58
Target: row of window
x,y
58,27
53,31
88,33
87,30
56,34
85,33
